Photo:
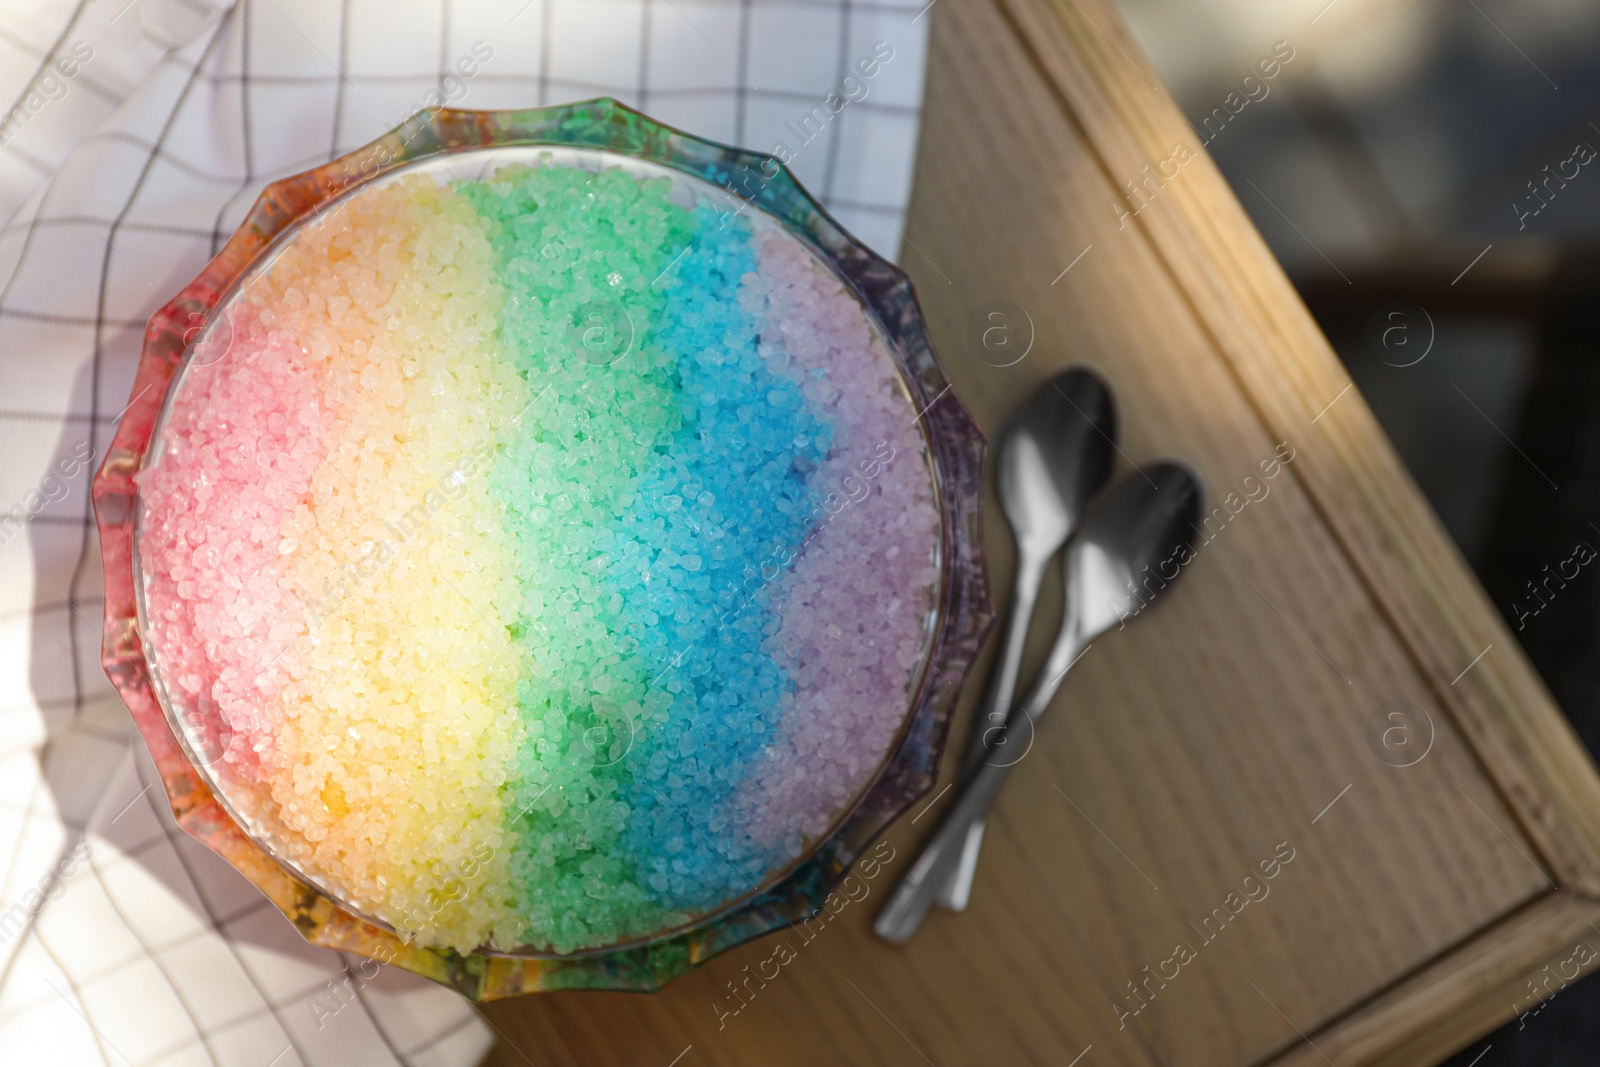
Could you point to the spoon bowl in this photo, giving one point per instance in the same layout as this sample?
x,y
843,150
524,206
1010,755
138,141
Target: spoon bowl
x,y
1053,456
1132,548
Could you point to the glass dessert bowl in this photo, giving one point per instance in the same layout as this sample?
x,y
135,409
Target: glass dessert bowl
x,y
542,549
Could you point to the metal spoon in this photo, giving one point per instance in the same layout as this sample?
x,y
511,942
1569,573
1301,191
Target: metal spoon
x,y
1053,456
1130,550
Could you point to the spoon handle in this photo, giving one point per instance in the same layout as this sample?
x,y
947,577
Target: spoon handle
x,y
990,723
941,854
988,733
909,904
988,726
1003,680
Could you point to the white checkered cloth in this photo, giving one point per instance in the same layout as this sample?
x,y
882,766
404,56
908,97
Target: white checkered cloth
x,y
138,132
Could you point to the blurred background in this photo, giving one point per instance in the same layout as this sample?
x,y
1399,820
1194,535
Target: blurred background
x,y
1428,173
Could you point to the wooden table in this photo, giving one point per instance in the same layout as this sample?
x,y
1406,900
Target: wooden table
x,y
1242,722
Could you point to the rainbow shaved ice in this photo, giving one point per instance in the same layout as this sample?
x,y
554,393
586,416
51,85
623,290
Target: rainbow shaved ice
x,y
544,562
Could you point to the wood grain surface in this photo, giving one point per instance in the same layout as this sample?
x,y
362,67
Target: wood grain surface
x,y
1238,726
